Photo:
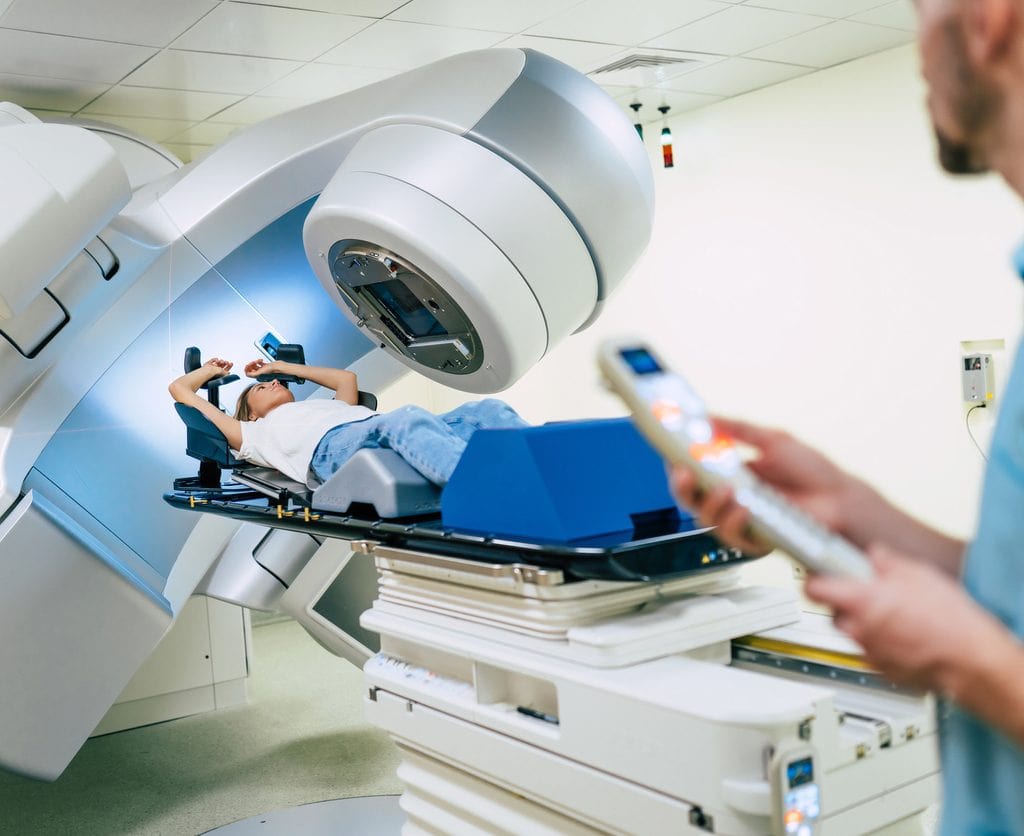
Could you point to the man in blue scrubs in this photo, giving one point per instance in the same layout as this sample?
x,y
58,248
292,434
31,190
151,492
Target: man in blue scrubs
x,y
939,614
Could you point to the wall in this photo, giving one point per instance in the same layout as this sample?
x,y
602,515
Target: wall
x,y
812,268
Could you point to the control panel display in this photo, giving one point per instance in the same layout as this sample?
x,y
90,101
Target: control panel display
x,y
268,345
800,772
640,360
801,803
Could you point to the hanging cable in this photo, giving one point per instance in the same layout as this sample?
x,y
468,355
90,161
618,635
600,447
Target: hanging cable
x,y
967,420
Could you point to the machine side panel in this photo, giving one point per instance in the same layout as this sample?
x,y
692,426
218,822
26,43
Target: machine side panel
x,y
272,274
122,445
62,665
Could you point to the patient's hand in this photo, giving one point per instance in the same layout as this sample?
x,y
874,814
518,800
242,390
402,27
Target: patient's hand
x,y
260,366
217,367
183,388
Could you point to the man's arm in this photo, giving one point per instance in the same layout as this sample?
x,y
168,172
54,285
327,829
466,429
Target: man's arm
x,y
837,499
989,681
342,381
184,390
872,518
920,628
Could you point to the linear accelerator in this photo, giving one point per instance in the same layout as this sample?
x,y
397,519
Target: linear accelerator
x,y
459,221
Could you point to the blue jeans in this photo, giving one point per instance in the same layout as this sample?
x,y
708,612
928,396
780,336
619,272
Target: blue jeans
x,y
432,444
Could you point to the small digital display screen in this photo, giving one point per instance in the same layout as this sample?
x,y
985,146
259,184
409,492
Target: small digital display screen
x,y
640,360
406,308
800,772
269,345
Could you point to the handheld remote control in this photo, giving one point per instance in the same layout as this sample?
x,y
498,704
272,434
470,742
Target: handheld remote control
x,y
675,421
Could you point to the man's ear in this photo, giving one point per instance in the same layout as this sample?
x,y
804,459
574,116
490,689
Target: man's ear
x,y
990,29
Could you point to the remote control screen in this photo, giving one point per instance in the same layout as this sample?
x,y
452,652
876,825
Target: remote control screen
x,y
640,360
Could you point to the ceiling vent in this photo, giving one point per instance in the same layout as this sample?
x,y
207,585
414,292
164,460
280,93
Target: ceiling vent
x,y
643,69
637,59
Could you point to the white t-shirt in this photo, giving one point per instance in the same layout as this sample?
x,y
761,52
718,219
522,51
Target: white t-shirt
x,y
287,437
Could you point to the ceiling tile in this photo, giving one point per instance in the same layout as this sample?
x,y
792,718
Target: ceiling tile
x,y
651,99
493,15
583,55
320,81
898,15
834,43
825,8
50,115
123,21
257,108
205,133
736,30
362,8
167,104
155,129
606,21
181,70
187,153
393,44
269,32
30,53
47,93
617,91
734,76
179,63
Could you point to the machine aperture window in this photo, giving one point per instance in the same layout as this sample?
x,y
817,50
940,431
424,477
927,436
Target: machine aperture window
x,y
405,307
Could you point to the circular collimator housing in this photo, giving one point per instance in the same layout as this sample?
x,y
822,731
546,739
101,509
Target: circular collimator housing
x,y
507,271
404,306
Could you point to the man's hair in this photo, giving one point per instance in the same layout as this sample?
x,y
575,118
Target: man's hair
x,y
242,405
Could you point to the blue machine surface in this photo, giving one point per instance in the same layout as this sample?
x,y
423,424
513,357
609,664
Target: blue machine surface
x,y
560,482
123,429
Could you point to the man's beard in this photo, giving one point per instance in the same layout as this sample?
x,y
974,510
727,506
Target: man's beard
x,y
974,103
959,157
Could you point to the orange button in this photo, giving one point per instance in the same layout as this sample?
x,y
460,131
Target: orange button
x,y
711,449
663,410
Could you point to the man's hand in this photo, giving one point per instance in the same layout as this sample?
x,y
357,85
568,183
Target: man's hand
x,y
917,625
798,472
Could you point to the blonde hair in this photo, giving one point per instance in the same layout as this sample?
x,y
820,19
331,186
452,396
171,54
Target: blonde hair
x,y
242,404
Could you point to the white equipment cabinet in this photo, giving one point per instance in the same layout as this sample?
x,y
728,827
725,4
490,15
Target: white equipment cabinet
x,y
525,702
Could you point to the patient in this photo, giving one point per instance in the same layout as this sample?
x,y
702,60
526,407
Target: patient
x,y
309,440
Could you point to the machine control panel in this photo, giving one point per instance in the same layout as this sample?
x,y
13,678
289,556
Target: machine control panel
x,y
978,379
796,792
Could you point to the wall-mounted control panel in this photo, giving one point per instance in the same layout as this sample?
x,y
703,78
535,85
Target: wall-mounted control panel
x,y
978,377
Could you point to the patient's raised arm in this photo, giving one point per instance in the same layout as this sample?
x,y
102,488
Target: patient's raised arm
x,y
184,390
343,382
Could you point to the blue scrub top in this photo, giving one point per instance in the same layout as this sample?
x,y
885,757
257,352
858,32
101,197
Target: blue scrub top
x,y
983,772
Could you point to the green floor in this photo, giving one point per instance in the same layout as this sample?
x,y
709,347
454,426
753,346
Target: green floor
x,y
302,738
